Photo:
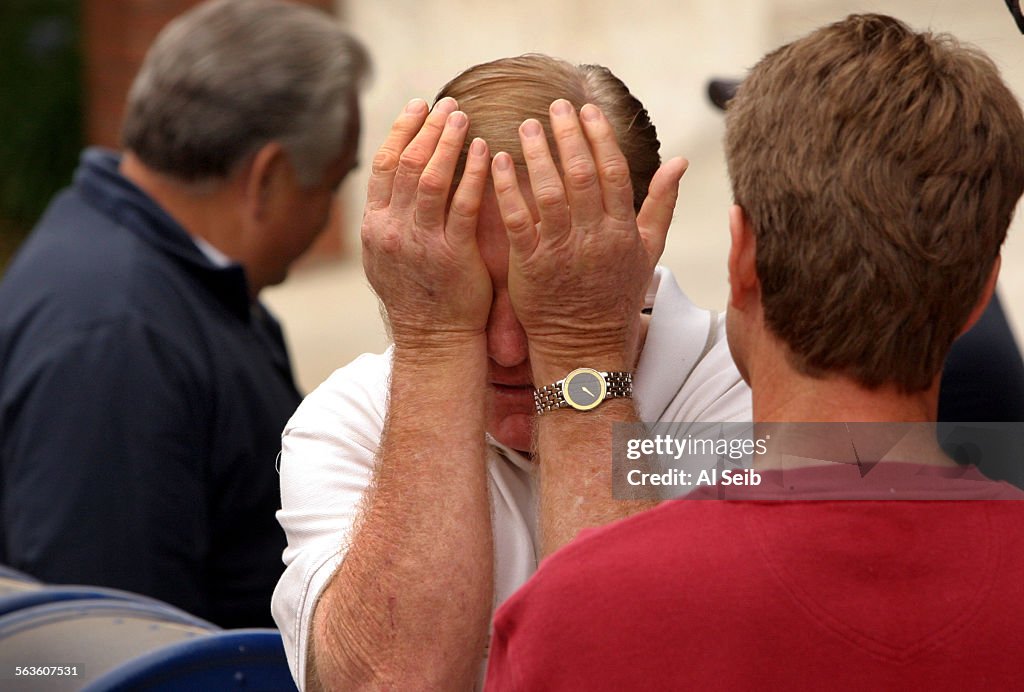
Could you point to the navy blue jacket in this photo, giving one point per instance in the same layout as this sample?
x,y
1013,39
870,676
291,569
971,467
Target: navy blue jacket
x,y
142,398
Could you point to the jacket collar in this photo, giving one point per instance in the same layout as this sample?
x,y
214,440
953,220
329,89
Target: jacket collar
x,y
101,184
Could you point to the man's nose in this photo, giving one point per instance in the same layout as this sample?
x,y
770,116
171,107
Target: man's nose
x,y
506,340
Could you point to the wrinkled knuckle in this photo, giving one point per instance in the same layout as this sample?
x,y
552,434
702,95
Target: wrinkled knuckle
x,y
566,134
390,242
378,240
549,196
536,153
518,219
464,208
581,174
616,173
384,161
431,184
412,159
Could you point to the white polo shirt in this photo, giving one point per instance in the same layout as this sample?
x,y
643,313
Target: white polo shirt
x,y
328,449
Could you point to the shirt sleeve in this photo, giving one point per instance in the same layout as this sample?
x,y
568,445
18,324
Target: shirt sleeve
x,y
328,451
104,432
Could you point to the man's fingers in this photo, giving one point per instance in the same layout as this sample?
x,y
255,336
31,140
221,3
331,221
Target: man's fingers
x,y
656,213
545,180
385,162
515,214
612,167
582,186
415,156
462,217
436,179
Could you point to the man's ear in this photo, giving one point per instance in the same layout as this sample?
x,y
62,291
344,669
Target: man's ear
x,y
984,297
264,176
744,287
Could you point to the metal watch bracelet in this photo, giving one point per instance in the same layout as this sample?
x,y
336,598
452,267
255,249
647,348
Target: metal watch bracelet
x,y
550,397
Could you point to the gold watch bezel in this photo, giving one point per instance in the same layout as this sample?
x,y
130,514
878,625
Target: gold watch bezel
x,y
576,373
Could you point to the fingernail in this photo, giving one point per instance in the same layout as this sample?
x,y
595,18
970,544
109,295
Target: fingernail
x,y
446,105
531,128
503,161
590,113
415,106
478,147
561,107
457,120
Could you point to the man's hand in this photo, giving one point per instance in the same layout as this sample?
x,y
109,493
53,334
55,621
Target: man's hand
x,y
578,273
410,604
426,268
577,277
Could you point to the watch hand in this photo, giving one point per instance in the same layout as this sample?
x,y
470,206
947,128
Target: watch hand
x,y
584,388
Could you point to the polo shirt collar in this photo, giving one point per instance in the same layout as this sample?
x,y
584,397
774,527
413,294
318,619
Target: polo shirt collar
x,y
678,336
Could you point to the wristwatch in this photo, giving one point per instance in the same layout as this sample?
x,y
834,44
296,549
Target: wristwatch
x,y
583,389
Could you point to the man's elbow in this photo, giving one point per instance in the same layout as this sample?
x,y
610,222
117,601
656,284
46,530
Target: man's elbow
x,y
346,662
337,658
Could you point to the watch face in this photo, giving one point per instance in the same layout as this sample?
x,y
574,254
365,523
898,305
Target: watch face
x,y
584,389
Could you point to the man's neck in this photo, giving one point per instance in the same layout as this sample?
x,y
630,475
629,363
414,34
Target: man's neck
x,y
782,395
839,400
203,210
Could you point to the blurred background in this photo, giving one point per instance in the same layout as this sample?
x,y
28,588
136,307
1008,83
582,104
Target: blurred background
x,y
65,66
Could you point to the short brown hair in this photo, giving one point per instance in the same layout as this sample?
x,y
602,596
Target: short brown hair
x,y
879,169
499,95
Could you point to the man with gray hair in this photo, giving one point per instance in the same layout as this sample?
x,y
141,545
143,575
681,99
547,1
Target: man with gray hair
x,y
143,386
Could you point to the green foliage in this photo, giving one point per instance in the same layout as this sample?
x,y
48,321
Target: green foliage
x,y
40,109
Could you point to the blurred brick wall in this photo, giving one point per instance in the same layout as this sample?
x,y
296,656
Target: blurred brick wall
x,y
117,34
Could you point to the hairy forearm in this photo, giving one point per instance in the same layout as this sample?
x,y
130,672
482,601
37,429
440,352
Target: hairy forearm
x,y
410,605
575,452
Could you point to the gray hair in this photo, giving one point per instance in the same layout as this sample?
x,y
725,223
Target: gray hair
x,y
230,76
